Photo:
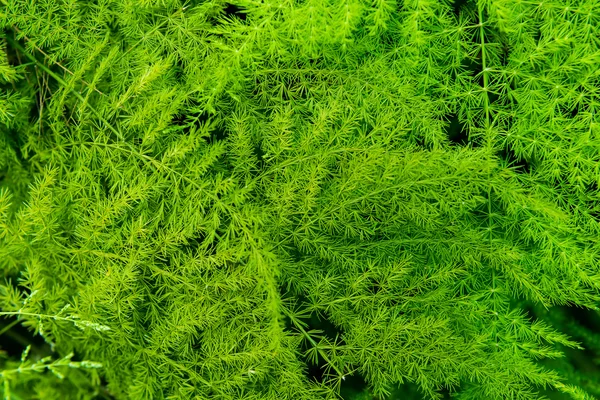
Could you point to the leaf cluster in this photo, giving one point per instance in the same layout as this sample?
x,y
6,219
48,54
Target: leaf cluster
x,y
294,199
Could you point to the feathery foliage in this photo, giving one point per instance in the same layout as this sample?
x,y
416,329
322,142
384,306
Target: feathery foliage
x,y
300,199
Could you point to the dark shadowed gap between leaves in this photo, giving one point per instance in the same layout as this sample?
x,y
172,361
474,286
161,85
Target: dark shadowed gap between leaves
x,y
589,319
519,164
577,323
457,5
593,194
574,112
353,386
315,371
259,154
231,10
329,331
217,134
186,119
410,391
15,338
456,131
15,143
473,67
196,243
105,184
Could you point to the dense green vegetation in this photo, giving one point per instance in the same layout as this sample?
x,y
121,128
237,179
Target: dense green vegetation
x,y
300,199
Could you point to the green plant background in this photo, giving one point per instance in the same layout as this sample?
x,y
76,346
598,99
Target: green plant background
x,y
300,199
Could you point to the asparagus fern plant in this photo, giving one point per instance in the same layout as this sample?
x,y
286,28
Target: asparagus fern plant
x,y
300,199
